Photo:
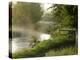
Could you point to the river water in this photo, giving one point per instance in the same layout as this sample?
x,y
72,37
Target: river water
x,y
19,43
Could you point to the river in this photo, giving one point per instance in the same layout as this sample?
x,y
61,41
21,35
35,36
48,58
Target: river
x,y
19,43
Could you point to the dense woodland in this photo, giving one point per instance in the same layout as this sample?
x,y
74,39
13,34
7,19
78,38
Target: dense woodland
x,y
63,28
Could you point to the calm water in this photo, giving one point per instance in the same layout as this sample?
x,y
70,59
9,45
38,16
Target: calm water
x,y
19,43
22,42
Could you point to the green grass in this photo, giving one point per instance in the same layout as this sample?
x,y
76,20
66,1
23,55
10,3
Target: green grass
x,y
43,47
62,51
53,47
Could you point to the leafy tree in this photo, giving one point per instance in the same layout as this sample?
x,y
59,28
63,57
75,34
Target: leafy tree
x,y
26,14
65,16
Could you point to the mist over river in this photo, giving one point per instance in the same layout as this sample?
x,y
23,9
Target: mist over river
x,y
22,40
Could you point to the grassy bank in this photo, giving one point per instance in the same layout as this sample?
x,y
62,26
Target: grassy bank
x,y
48,47
62,51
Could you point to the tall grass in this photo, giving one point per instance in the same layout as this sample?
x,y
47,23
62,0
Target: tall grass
x,y
62,51
41,48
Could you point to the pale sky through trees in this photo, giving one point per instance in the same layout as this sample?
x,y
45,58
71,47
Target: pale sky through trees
x,y
45,6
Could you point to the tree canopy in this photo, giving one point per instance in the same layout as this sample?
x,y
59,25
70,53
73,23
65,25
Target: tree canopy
x,y
24,14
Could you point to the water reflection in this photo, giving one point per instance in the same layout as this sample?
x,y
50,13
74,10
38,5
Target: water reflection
x,y
44,37
19,43
14,47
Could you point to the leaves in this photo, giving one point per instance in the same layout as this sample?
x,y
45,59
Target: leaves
x,y
24,14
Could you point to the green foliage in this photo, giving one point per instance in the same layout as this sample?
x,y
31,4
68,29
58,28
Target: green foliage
x,y
26,13
41,48
64,16
62,51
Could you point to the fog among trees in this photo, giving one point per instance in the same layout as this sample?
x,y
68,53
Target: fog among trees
x,y
40,29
